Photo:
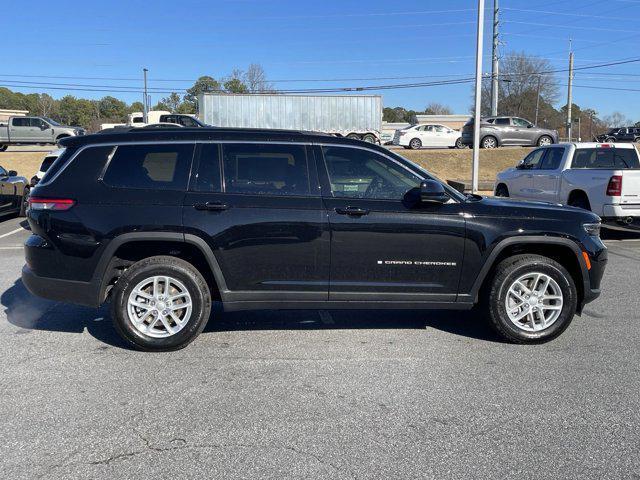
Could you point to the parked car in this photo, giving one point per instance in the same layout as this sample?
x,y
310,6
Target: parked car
x,y
34,130
156,117
418,136
602,178
622,134
162,222
13,191
503,131
44,166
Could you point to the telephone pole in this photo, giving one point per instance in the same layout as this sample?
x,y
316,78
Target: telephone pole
x,y
475,165
569,92
537,101
145,104
494,61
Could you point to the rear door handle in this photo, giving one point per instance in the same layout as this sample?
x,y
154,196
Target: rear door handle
x,y
355,211
211,206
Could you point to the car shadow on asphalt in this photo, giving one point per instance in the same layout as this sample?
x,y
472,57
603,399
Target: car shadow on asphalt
x,y
32,313
28,312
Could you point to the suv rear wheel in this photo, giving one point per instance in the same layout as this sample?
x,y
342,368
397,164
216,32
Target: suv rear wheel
x,y
160,303
531,299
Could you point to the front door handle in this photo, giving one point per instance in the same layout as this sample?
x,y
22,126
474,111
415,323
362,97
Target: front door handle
x,y
355,211
211,206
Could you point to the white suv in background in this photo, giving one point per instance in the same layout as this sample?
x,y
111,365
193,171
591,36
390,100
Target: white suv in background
x,y
429,135
601,177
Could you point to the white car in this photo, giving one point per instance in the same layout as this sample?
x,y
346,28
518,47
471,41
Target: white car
x,y
44,166
429,135
601,177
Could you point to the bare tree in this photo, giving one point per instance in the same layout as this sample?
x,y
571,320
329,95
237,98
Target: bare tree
x,y
256,79
435,108
522,78
616,119
46,104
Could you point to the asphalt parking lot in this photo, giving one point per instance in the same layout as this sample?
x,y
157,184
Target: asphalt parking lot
x,y
375,394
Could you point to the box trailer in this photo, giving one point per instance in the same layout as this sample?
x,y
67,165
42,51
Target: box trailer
x,y
353,116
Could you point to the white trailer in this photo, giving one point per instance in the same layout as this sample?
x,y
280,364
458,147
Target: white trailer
x,y
352,116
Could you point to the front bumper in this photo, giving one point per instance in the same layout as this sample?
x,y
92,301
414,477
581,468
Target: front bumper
x,y
69,291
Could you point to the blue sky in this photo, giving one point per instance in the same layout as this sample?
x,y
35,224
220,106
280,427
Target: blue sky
x,y
302,39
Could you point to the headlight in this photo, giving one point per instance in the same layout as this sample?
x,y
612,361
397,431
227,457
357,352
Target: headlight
x,y
592,229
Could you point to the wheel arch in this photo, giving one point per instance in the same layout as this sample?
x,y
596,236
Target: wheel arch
x,y
495,137
562,250
128,248
576,193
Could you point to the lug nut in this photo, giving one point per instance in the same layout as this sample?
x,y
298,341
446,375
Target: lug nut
x,y
165,312
155,312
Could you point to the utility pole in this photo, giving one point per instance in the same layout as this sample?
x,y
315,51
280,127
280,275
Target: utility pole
x,y
537,101
146,98
495,66
569,92
478,100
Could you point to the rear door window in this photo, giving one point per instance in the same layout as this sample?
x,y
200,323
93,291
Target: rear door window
x,y
605,158
208,178
157,167
266,169
20,122
552,159
502,121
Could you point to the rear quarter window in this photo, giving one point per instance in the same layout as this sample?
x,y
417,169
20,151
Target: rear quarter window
x,y
156,167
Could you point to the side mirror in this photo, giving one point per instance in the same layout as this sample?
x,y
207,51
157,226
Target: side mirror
x,y
44,126
520,165
12,173
529,126
432,192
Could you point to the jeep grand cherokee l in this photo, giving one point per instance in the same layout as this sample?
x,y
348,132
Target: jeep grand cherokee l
x,y
162,223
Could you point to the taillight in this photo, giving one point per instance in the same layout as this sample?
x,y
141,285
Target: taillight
x,y
42,203
614,189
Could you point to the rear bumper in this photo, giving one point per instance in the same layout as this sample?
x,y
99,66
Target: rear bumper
x,y
623,215
69,291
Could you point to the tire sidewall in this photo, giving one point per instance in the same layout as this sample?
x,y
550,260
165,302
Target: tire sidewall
x,y
569,293
415,143
489,138
199,314
550,142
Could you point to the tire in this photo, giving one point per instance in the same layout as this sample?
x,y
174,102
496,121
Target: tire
x,y
22,212
183,278
489,142
545,140
354,136
415,144
636,140
580,201
3,147
502,190
610,140
459,143
507,273
369,138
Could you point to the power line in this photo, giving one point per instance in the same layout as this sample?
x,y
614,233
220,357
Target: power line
x,y
582,15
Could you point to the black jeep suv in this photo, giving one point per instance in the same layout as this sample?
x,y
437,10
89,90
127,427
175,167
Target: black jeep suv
x,y
163,222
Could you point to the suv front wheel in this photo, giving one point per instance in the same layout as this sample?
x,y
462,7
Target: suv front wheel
x,y
531,299
160,303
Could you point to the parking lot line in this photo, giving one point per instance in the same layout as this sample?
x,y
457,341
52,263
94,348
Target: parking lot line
x,y
12,232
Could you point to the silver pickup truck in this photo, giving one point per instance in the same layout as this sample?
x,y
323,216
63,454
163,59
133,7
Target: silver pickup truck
x,y
34,130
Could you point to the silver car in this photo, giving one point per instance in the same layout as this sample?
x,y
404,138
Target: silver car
x,y
503,131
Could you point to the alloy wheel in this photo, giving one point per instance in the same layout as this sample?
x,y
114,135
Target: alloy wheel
x,y
159,306
534,302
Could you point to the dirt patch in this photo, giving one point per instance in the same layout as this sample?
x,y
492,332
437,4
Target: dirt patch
x,y
25,163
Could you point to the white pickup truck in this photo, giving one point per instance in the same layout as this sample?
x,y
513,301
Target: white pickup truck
x,y
601,177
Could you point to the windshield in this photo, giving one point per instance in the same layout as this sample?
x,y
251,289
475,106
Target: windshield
x,y
52,122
